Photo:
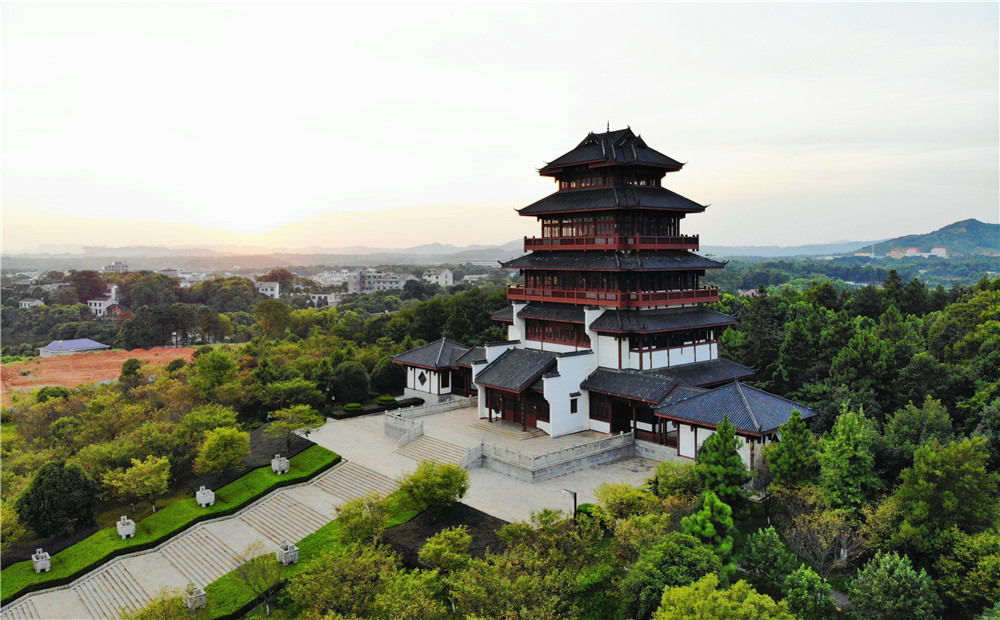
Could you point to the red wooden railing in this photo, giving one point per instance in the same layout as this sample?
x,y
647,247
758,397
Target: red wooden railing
x,y
612,242
613,299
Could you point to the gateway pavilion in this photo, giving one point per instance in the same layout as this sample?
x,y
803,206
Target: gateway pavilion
x,y
609,331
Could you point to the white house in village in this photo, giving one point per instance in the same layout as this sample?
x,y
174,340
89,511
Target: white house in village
x,y
439,276
609,331
267,289
30,302
100,305
324,299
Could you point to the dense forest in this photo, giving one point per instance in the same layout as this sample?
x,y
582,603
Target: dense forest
x,y
887,497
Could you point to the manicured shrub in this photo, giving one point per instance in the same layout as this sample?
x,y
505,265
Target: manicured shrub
x,y
386,399
353,407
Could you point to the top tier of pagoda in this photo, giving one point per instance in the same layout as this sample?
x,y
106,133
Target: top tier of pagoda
x,y
611,232
611,197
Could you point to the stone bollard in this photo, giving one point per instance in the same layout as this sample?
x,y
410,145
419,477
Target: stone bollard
x,y
279,464
126,527
205,497
287,553
41,561
194,597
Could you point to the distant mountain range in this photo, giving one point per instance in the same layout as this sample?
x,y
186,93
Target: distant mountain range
x,y
961,238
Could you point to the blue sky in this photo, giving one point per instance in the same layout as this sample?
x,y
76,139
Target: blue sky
x,y
333,124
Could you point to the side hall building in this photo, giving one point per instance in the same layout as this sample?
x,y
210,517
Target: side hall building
x,y
609,331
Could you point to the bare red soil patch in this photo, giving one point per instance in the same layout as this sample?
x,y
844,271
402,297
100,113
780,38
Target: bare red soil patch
x,y
72,370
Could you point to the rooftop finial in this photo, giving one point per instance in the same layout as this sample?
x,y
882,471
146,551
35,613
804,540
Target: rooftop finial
x,y
608,129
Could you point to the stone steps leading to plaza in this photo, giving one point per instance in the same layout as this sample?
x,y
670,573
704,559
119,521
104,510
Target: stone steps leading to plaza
x,y
201,556
510,430
350,480
283,518
426,448
109,590
23,610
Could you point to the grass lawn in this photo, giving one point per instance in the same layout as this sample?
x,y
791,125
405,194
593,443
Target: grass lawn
x,y
151,531
229,595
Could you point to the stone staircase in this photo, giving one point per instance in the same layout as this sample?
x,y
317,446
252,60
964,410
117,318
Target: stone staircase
x,y
201,556
426,448
350,480
508,429
283,518
23,610
108,590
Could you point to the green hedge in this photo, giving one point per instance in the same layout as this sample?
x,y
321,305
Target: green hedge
x,y
19,579
229,598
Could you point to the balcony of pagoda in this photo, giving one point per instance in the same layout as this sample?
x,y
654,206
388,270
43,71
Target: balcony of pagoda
x,y
621,300
612,242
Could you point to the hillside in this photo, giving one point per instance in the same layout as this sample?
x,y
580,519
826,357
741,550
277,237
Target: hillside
x,y
966,238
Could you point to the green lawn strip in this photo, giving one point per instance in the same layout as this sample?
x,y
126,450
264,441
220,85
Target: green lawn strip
x,y
229,597
84,556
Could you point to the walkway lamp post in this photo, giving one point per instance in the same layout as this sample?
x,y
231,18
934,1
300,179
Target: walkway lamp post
x,y
573,493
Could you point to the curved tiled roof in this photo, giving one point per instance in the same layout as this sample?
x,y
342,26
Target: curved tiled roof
x,y
516,369
621,147
749,410
441,353
552,312
704,374
629,384
607,198
647,321
665,260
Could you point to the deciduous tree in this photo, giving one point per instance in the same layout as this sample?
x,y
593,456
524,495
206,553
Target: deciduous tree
x,y
59,499
143,480
223,450
704,599
362,519
286,421
433,486
259,572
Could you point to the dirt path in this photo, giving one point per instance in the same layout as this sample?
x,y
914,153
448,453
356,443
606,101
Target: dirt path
x,y
72,370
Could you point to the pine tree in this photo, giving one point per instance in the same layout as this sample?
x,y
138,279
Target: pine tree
x,y
713,525
794,459
847,463
721,468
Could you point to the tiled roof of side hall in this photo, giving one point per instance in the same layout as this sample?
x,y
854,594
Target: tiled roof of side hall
x,y
608,198
552,312
503,314
643,321
704,374
664,260
621,147
516,369
475,354
629,384
441,353
749,410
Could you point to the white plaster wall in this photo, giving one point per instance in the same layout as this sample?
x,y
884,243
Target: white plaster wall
x,y
607,351
545,426
703,434
483,413
589,316
551,346
519,327
497,350
643,426
572,372
685,441
512,333
600,427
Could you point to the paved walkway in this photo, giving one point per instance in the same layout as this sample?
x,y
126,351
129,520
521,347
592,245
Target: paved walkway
x,y
373,461
363,440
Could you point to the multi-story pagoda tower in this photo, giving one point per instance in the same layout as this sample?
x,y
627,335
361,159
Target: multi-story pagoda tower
x,y
609,330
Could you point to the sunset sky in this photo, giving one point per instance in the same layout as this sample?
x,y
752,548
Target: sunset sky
x,y
393,125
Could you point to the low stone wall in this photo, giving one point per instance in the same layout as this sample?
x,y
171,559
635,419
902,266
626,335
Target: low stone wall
x,y
396,426
656,452
536,468
431,409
